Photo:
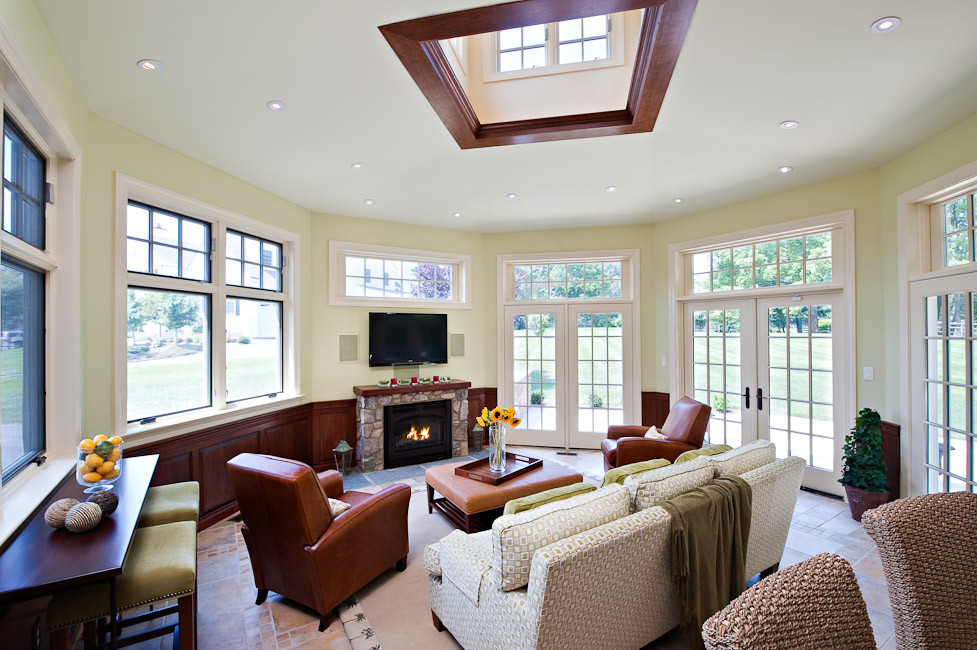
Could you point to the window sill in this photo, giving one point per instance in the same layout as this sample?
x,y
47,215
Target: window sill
x,y
174,425
25,492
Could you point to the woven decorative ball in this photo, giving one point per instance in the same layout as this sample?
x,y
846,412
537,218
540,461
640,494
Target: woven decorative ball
x,y
54,515
107,500
83,517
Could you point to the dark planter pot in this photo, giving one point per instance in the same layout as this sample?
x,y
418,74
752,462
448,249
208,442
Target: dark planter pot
x,y
861,500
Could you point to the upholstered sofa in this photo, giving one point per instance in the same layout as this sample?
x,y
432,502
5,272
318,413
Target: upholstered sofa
x,y
593,571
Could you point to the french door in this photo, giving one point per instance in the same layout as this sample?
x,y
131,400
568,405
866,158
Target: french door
x,y
773,368
943,388
568,372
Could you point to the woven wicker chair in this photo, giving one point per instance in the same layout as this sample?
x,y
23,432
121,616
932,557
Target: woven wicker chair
x,y
814,605
928,548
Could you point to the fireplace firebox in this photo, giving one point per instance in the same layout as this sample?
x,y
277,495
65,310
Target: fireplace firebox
x,y
416,432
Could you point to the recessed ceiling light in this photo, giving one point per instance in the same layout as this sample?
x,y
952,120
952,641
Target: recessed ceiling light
x,y
150,65
358,165
510,195
886,25
369,201
789,124
275,105
611,188
456,215
677,199
786,169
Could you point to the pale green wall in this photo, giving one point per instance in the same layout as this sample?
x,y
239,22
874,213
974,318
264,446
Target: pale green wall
x,y
111,149
950,150
22,20
333,379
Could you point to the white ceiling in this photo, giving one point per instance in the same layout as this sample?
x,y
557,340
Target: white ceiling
x,y
860,98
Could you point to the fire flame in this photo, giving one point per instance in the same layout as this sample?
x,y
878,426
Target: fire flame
x,y
423,434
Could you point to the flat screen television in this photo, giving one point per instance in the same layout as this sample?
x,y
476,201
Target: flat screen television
x,y
408,339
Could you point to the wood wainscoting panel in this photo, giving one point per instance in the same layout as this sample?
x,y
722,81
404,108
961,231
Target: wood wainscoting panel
x,y
174,469
288,440
892,456
479,398
202,455
332,422
215,488
654,408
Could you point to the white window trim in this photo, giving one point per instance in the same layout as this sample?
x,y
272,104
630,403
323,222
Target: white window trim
x,y
128,188
632,257
23,96
843,251
338,250
916,263
615,54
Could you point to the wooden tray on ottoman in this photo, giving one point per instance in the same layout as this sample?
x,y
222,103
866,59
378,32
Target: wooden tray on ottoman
x,y
515,465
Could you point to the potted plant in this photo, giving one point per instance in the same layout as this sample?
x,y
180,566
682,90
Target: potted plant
x,y
863,469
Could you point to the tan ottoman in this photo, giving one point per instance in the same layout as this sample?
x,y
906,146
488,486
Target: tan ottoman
x,y
472,506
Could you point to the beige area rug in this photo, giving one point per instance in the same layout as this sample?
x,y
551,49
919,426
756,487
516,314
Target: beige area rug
x,y
397,604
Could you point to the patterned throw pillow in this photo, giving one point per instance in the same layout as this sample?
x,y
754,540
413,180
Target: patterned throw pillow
x,y
337,507
619,474
515,538
707,450
651,488
745,458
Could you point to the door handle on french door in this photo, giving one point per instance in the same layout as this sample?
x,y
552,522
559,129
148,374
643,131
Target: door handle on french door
x,y
759,399
747,396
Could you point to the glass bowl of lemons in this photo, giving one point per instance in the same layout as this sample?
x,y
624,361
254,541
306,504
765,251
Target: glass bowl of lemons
x,y
99,462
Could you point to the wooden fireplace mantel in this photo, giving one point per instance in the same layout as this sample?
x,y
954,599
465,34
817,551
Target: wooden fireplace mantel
x,y
372,390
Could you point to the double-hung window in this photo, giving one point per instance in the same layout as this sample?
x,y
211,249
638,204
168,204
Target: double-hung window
x,y
22,304
208,303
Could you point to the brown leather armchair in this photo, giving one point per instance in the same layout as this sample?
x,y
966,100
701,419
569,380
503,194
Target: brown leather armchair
x,y
684,430
297,549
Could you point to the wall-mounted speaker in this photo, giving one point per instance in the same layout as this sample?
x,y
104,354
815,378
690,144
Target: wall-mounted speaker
x,y
349,345
457,345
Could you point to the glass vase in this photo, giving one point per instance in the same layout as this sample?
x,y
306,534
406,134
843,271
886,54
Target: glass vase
x,y
496,443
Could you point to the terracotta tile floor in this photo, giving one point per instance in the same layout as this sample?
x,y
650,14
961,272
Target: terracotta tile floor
x,y
228,618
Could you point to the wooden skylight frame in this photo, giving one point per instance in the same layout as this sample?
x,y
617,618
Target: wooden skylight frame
x,y
663,32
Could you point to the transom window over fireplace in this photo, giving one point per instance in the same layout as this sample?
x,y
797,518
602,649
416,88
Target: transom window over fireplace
x,y
371,275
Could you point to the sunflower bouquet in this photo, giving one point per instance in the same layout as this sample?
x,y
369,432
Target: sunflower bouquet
x,y
495,421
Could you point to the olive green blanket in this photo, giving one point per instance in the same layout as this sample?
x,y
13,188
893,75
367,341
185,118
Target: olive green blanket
x,y
710,530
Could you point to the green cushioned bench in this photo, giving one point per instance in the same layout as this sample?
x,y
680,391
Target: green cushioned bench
x,y
166,504
161,565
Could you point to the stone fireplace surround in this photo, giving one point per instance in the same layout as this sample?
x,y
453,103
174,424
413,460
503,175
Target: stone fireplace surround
x,y
371,400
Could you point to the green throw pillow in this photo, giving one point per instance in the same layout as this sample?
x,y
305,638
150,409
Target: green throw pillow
x,y
708,450
618,474
547,496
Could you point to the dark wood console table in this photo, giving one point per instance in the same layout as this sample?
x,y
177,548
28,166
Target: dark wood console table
x,y
41,560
